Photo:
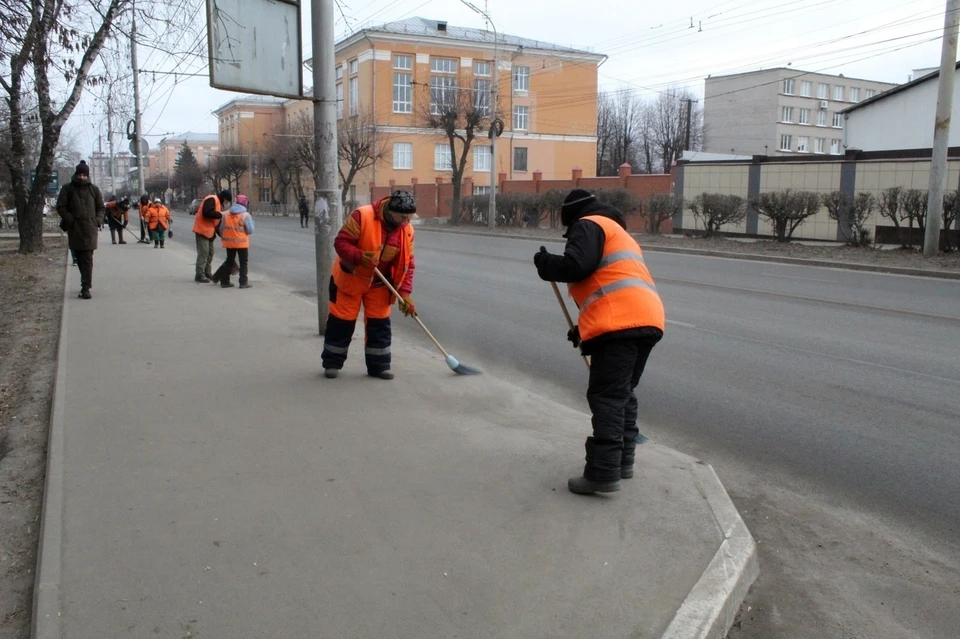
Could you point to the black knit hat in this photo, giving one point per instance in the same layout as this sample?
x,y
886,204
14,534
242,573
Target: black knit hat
x,y
402,202
226,196
82,168
574,204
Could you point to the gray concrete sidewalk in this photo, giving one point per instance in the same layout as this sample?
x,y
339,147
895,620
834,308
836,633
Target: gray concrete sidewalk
x,y
205,480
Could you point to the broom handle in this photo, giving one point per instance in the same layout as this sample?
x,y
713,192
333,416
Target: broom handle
x,y
398,296
566,313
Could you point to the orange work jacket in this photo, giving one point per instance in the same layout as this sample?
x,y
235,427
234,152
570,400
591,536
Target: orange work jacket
x,y
158,216
620,294
233,231
203,226
361,279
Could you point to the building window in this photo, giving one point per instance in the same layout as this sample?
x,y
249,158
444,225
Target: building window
x,y
854,94
823,91
354,96
442,158
353,192
481,68
838,92
821,118
804,116
481,190
340,101
265,195
339,72
444,65
443,94
402,155
521,78
786,114
788,84
354,66
520,158
820,145
786,142
803,144
838,120
403,62
806,88
481,158
481,97
870,93
521,118
264,172
835,146
402,93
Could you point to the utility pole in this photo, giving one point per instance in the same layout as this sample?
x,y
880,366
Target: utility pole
x,y
113,179
136,112
326,195
686,140
941,128
492,205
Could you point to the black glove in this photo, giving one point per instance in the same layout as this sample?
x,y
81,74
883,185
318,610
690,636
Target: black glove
x,y
573,335
125,223
539,257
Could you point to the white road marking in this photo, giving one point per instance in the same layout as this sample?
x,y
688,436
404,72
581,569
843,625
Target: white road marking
x,y
681,323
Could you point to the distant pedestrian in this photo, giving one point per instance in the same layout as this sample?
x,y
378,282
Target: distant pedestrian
x,y
621,320
304,212
142,207
81,209
117,218
205,222
236,227
158,221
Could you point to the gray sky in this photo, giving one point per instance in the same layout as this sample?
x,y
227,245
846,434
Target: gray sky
x,y
651,46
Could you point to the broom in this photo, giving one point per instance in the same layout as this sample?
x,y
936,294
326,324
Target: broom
x,y
566,314
452,362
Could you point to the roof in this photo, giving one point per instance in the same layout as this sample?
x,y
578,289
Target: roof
x,y
798,73
896,89
191,137
251,99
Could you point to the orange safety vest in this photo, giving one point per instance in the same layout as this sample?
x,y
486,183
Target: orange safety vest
x,y
203,226
233,231
158,216
620,294
361,279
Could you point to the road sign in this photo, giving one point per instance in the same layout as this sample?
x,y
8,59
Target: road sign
x,y
255,46
54,185
144,147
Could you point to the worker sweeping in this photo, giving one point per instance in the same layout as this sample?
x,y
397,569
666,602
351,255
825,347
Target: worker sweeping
x,y
158,221
143,205
117,217
377,236
621,320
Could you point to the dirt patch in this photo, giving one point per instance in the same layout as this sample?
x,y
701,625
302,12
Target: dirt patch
x,y
31,287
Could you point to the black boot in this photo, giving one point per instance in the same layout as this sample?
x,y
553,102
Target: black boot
x,y
626,462
85,293
584,486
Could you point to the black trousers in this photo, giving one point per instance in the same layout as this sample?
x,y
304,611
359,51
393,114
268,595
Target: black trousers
x,y
85,264
615,369
223,273
304,220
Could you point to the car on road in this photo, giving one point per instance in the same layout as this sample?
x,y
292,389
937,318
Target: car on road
x,y
193,206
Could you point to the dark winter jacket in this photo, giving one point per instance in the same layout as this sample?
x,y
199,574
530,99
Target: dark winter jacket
x,y
80,206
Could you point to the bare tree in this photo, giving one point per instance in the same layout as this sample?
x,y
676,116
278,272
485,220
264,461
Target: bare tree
x,y
668,123
231,164
891,207
786,210
660,208
623,116
358,147
281,155
951,210
851,215
914,209
714,210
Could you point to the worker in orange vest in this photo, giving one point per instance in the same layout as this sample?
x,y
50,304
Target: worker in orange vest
x,y
235,230
118,217
205,223
621,320
142,207
158,221
377,235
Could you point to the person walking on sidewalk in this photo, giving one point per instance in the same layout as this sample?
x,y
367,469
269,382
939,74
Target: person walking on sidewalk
x,y
142,207
304,212
158,221
621,320
377,235
81,209
118,217
236,227
205,222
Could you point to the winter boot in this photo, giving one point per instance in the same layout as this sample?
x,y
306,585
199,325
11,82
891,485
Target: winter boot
x,y
626,463
156,245
227,284
584,486
331,373
246,285
201,279
85,293
387,374
161,244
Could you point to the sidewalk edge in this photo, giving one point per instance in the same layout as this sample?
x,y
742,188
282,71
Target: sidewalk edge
x,y
709,610
45,622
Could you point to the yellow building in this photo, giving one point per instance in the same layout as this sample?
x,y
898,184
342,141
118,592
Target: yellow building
x,y
245,126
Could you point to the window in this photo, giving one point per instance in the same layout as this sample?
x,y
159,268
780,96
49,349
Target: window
x,y
443,93
838,120
444,65
838,92
339,72
521,78
481,190
481,96
353,192
520,158
835,146
854,94
803,144
402,155
786,114
481,158
521,118
354,96
806,89
786,142
820,145
442,158
403,62
402,93
354,66
481,68
340,101
265,194
804,116
788,86
821,118
264,172
870,93
823,91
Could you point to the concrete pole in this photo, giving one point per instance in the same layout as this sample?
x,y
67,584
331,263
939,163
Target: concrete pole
x,y
941,129
326,195
136,114
113,177
492,207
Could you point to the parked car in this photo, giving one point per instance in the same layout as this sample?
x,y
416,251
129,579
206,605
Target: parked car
x,y
193,206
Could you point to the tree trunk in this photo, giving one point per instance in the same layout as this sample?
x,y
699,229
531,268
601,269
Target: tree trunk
x,y
455,212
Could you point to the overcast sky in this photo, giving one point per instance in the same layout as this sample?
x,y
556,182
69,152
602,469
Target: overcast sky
x,y
651,46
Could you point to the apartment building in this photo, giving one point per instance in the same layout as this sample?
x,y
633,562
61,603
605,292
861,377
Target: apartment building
x,y
204,146
101,175
245,124
780,111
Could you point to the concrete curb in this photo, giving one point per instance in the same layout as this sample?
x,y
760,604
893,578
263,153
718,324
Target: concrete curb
x,y
709,610
800,261
46,588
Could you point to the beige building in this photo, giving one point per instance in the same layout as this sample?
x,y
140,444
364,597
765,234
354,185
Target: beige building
x,y
203,145
780,111
245,124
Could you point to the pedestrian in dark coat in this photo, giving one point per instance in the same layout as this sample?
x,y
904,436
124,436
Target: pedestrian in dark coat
x,y
304,212
80,207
